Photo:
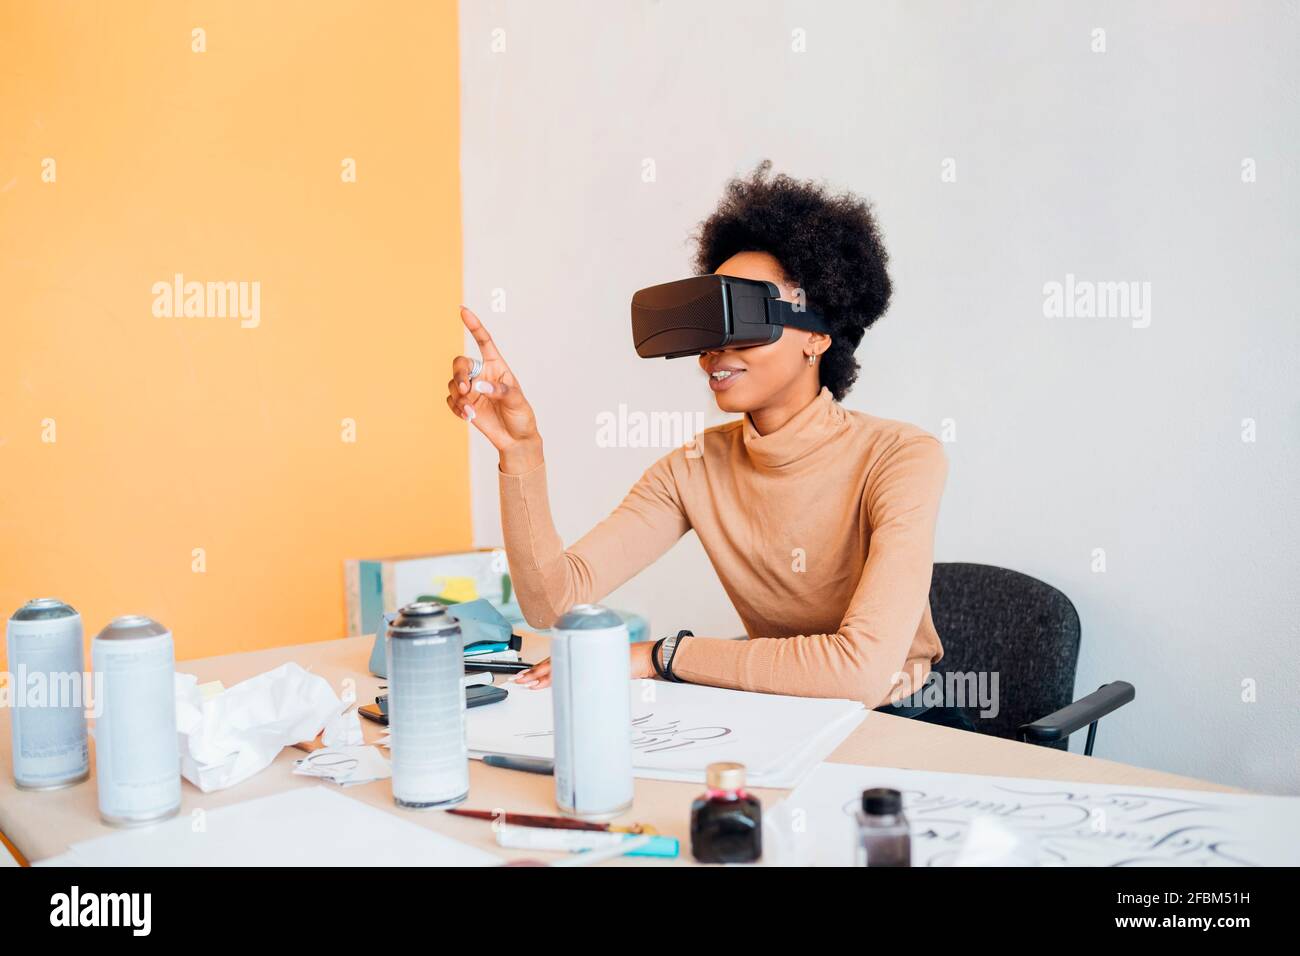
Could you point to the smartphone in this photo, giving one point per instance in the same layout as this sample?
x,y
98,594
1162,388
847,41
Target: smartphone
x,y
475,696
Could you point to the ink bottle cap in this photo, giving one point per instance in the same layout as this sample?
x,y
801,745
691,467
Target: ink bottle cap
x,y
881,801
725,776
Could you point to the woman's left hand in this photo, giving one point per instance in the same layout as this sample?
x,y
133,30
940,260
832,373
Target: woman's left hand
x,y
539,675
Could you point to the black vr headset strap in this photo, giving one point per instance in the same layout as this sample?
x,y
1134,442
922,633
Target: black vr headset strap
x,y
780,312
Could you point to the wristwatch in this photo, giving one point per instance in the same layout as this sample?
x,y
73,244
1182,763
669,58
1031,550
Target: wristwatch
x,y
664,650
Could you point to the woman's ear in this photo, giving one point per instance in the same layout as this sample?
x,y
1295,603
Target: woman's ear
x,y
818,343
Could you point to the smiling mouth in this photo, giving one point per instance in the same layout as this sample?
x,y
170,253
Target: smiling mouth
x,y
722,379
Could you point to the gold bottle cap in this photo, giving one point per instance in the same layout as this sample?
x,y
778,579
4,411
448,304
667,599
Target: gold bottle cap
x,y
725,776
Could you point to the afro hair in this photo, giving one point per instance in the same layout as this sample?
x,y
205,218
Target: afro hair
x,y
828,245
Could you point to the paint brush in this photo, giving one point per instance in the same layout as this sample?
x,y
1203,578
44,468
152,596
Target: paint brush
x,y
556,823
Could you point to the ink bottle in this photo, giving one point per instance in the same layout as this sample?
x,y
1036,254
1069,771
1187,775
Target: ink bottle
x,y
884,838
726,822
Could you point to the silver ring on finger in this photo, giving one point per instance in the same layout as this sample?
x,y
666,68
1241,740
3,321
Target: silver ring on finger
x,y
476,367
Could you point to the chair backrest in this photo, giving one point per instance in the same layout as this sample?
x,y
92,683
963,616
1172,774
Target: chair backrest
x,y
993,620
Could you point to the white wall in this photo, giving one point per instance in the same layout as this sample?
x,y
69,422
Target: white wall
x,y
1071,434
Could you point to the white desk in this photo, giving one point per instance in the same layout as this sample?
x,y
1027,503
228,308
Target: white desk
x,y
40,825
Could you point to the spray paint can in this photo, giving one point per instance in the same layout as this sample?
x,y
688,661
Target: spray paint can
x,y
426,708
592,701
137,760
47,667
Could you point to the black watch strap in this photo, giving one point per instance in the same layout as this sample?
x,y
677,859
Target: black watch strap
x,y
654,658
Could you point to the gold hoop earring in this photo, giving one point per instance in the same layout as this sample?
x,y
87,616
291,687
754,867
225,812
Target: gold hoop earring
x,y
812,359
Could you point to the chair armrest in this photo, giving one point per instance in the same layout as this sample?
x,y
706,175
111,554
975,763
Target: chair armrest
x,y
1058,726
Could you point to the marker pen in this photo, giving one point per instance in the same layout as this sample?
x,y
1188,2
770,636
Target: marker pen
x,y
576,841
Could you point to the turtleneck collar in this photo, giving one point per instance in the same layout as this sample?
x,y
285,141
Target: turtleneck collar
x,y
810,427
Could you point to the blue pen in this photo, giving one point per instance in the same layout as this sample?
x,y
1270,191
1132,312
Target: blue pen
x,y
526,764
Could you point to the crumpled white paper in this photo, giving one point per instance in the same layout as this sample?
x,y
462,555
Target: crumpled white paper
x,y
230,737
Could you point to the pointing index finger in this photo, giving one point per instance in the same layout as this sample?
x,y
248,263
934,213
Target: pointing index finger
x,y
476,328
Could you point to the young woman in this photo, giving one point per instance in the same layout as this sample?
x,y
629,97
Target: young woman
x,y
819,521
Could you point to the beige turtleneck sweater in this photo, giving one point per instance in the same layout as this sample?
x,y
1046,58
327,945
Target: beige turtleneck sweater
x,y
822,533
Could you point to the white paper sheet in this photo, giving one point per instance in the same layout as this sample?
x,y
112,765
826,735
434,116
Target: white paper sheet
x,y
346,766
1064,823
307,826
679,729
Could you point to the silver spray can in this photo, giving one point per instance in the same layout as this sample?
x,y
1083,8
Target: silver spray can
x,y
592,700
137,759
47,668
426,708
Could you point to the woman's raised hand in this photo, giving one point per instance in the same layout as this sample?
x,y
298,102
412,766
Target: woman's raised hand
x,y
493,402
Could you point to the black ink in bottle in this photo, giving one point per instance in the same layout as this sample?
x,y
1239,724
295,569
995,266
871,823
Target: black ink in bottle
x,y
726,822
884,838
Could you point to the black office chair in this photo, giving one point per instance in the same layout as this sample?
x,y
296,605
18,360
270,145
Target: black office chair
x,y
992,619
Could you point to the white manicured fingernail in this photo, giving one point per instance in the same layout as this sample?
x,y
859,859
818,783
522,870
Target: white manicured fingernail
x,y
469,413
484,388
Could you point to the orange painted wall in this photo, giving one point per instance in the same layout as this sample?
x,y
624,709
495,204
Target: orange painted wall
x,y
173,434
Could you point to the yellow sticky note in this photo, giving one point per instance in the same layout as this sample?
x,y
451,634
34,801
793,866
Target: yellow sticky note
x,y
458,589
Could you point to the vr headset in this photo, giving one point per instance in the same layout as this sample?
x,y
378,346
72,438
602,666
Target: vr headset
x,y
710,312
